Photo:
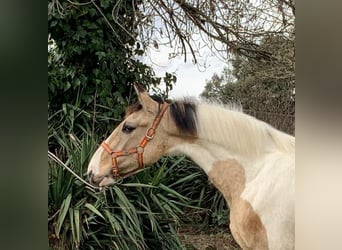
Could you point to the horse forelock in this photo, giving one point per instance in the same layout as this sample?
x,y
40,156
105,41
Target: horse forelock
x,y
133,108
138,106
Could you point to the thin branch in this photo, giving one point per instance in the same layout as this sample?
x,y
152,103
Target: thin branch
x,y
79,4
106,19
115,19
57,160
54,215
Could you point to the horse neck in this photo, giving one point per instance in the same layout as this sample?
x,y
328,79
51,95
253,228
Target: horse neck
x,y
224,134
241,134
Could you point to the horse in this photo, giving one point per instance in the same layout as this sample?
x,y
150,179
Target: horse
x,y
250,162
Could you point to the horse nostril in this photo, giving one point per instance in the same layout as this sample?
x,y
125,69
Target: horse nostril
x,y
90,175
92,182
91,179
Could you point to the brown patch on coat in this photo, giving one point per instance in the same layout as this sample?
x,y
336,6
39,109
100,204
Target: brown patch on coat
x,y
229,177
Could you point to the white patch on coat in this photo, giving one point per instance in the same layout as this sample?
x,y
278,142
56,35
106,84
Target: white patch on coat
x,y
267,156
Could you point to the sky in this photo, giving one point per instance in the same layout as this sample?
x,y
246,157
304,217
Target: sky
x,y
191,78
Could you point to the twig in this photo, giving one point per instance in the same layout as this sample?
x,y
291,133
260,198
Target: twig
x,y
79,4
106,19
54,215
115,19
56,159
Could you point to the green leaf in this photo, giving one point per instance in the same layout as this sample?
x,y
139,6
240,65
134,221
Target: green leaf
x,y
71,217
138,185
63,211
173,192
113,221
77,225
94,210
100,54
185,179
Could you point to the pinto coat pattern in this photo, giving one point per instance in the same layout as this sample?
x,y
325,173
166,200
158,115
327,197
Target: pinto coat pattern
x,y
250,162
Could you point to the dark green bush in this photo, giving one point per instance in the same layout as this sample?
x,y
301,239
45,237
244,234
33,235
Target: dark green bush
x,y
91,64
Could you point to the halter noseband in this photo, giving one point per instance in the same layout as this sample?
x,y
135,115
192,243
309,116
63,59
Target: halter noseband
x,y
139,150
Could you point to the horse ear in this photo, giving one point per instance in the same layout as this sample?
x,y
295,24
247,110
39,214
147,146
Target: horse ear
x,y
144,98
139,88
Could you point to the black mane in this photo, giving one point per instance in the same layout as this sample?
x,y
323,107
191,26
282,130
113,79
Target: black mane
x,y
157,98
185,116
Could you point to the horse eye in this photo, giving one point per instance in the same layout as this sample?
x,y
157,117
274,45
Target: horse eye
x,y
127,129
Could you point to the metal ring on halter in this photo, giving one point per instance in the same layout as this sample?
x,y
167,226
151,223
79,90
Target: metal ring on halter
x,y
140,149
150,137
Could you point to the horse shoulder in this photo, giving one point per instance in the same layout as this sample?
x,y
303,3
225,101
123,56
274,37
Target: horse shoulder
x,y
229,177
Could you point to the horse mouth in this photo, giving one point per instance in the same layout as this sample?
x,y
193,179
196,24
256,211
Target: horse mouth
x,y
107,181
100,181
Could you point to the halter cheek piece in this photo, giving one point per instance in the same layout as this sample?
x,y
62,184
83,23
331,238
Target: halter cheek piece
x,y
139,150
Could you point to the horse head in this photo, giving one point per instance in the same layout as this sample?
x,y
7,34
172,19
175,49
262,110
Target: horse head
x,y
137,141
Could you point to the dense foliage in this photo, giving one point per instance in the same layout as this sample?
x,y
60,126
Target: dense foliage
x,y
143,212
91,63
140,213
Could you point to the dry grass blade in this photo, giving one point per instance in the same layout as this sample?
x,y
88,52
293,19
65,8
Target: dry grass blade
x,y
57,160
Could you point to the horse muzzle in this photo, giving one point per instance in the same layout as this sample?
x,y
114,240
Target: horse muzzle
x,y
101,181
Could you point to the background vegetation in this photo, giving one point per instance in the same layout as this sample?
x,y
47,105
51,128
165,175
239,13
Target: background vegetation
x,y
93,51
264,90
